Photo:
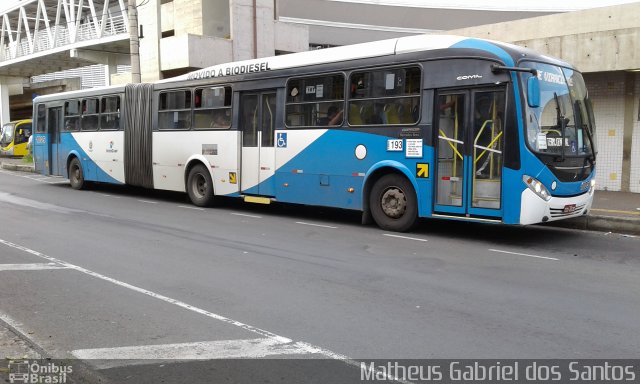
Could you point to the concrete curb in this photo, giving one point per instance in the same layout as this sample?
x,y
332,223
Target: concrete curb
x,y
616,224
19,167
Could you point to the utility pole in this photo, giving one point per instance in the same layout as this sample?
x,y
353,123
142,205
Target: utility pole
x,y
134,43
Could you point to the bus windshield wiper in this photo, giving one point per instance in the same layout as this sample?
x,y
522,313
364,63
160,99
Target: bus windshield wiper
x,y
561,123
585,127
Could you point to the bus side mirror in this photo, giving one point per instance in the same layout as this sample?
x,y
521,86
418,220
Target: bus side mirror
x,y
533,92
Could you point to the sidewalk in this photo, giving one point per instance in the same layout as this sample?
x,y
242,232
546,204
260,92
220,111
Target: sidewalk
x,y
611,212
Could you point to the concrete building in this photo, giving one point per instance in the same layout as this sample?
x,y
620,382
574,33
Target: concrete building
x,y
183,35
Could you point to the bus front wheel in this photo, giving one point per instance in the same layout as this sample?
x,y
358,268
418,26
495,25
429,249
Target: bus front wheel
x,y
393,203
200,186
76,176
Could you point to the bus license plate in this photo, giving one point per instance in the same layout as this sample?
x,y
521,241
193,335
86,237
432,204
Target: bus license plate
x,y
569,208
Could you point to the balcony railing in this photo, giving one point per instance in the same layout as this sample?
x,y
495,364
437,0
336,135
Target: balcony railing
x,y
19,39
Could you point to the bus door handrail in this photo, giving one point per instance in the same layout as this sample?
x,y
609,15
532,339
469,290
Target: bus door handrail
x,y
453,147
488,147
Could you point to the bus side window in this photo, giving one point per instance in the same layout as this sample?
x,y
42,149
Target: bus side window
x,y
212,108
72,115
110,113
315,101
174,110
42,118
385,96
89,114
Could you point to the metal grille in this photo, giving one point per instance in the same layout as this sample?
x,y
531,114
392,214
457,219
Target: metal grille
x,y
559,212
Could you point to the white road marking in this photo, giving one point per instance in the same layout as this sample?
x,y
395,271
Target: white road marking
x,y
525,254
404,237
264,333
108,195
316,225
31,267
245,215
189,207
39,178
148,201
203,350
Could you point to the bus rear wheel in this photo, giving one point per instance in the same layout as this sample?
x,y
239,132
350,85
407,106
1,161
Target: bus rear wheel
x,y
200,186
76,176
393,203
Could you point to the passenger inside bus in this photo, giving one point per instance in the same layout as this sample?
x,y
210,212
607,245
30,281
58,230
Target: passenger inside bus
x,y
334,117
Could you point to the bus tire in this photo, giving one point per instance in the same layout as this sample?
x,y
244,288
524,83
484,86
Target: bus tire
x,y
76,175
393,203
200,186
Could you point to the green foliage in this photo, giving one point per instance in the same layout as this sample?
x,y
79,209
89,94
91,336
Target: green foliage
x,y
28,158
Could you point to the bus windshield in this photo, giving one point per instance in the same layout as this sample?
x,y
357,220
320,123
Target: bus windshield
x,y
562,126
6,135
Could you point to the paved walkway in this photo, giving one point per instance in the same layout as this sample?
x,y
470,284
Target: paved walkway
x,y
611,211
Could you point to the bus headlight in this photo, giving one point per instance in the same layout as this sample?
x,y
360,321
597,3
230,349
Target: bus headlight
x,y
592,186
537,187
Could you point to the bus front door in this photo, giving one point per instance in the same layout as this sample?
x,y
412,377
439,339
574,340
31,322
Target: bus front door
x,y
258,160
469,142
54,123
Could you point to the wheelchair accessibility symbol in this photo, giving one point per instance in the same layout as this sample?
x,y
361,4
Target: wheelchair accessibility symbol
x,y
282,140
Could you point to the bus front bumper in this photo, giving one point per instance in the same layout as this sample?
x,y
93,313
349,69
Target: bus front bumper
x,y
534,210
6,152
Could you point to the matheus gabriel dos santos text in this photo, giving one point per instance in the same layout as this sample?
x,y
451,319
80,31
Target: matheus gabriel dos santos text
x,y
485,371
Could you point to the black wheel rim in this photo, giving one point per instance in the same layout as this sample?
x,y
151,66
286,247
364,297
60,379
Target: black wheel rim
x,y
75,173
393,202
199,186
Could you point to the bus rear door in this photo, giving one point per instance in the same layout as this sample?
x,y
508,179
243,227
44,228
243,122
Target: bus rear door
x,y
54,123
257,121
469,149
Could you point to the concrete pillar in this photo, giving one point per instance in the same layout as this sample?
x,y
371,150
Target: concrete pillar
x,y
149,18
111,68
265,28
252,28
242,29
629,118
5,116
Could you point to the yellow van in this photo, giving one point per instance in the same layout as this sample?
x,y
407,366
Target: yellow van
x,y
14,138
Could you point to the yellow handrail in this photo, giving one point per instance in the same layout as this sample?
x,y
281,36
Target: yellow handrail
x,y
488,146
475,141
451,145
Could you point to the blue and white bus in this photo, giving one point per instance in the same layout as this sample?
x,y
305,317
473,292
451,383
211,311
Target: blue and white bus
x,y
422,126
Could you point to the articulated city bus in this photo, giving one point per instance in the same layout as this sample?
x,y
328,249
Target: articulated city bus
x,y
423,126
14,138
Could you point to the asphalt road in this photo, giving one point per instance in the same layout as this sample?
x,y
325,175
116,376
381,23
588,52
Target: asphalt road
x,y
120,273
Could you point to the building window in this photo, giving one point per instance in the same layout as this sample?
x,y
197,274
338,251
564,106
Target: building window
x,y
315,101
